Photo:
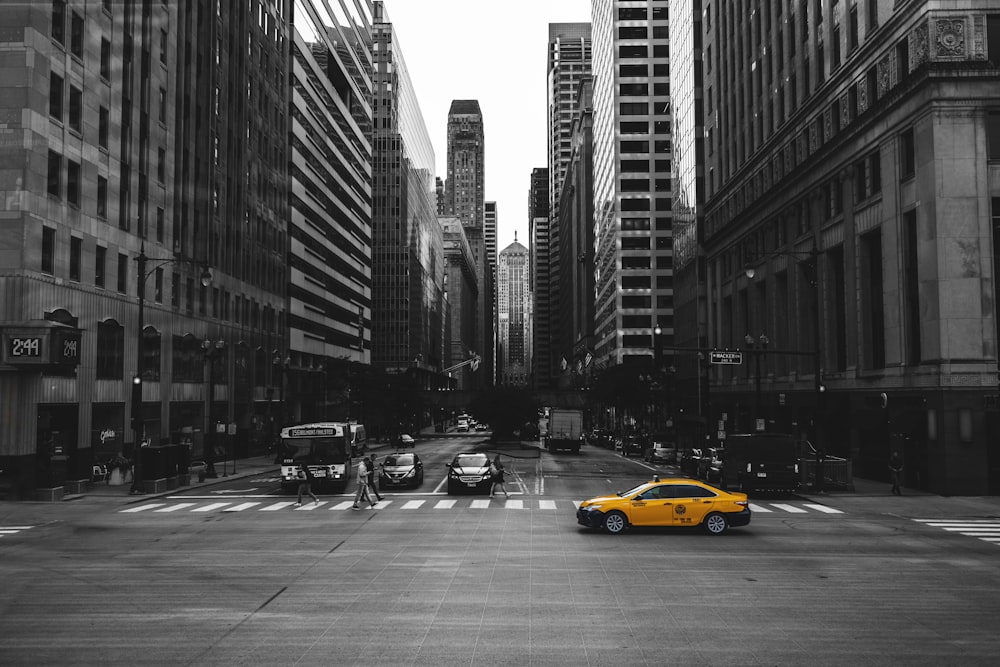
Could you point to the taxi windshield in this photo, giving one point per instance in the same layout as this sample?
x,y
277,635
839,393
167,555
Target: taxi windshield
x,y
634,489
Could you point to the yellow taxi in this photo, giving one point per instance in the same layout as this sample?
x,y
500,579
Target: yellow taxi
x,y
667,502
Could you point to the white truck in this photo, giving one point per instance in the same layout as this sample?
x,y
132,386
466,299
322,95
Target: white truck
x,y
565,430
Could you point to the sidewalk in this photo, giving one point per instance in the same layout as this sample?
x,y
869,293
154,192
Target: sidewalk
x,y
875,495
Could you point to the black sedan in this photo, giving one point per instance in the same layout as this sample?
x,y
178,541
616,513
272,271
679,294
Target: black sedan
x,y
401,470
469,471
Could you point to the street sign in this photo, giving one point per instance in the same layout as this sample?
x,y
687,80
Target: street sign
x,y
725,357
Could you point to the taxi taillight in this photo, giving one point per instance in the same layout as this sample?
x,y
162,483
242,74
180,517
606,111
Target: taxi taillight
x,y
743,503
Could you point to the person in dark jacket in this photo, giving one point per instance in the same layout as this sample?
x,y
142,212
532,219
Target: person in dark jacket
x,y
498,477
370,461
305,485
896,473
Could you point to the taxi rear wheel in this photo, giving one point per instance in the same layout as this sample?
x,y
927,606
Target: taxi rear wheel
x,y
715,524
615,522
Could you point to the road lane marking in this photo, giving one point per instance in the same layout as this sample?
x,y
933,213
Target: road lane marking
x,y
514,504
347,504
445,504
141,508
412,504
174,508
546,504
789,508
822,508
480,504
277,506
240,507
754,507
209,508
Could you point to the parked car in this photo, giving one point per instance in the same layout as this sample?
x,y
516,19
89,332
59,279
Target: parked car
x,y
406,440
710,466
690,461
401,469
633,446
668,502
469,471
662,452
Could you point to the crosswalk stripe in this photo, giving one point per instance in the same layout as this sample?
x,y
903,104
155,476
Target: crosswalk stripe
x,y
382,504
141,508
990,539
480,504
515,504
754,507
277,506
546,504
15,527
412,504
346,505
577,503
308,507
240,507
174,508
209,508
822,508
789,508
444,504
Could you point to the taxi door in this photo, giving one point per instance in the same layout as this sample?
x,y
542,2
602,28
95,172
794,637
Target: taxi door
x,y
691,504
652,507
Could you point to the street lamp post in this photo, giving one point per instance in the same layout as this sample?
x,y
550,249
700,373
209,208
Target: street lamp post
x,y
142,273
212,349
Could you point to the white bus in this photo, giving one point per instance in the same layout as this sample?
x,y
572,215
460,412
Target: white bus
x,y
325,447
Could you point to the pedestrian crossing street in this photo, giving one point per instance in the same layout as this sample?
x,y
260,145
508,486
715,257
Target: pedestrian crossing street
x,y
987,530
7,531
181,504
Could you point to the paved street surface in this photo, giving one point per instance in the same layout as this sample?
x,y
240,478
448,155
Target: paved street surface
x,y
231,573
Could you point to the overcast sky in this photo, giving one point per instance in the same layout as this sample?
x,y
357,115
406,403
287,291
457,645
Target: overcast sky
x,y
493,51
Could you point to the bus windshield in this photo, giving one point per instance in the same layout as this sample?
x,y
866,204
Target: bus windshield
x,y
324,450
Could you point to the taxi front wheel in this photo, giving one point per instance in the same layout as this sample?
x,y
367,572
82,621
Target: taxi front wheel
x,y
615,522
715,524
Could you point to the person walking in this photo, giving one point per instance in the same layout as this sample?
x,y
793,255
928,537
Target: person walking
x,y
305,484
498,477
370,461
896,472
362,486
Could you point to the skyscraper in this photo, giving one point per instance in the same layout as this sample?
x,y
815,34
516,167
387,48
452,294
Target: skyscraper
x,y
632,197
514,314
539,274
408,271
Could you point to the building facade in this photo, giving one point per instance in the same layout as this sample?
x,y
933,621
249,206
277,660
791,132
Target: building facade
x,y
853,167
408,321
514,315
461,282
632,196
540,274
122,136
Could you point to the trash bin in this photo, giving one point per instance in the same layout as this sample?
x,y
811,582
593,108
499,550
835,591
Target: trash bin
x,y
183,458
152,463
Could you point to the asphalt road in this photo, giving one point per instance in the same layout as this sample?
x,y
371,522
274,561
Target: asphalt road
x,y
233,574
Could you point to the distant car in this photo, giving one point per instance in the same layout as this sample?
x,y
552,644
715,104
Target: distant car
x,y
462,428
662,452
668,502
469,471
633,447
401,469
690,461
482,427
406,440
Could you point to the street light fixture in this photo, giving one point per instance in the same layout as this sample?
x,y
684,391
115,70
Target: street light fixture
x,y
212,349
757,346
142,274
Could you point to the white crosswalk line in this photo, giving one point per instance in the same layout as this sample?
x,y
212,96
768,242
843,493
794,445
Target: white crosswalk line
x,y
577,503
546,504
754,507
822,508
412,504
209,508
308,507
174,508
346,505
444,504
240,507
480,504
277,506
141,508
789,508
381,504
515,505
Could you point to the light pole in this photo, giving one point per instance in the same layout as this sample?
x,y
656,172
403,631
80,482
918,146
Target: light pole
x,y
757,347
142,274
212,349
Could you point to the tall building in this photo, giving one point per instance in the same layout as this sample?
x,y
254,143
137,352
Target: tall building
x,y
513,314
464,192
439,193
330,225
688,188
853,167
409,267
128,129
490,241
632,196
461,281
490,234
539,273
573,310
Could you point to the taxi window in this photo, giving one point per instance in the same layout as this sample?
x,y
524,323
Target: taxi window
x,y
692,491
